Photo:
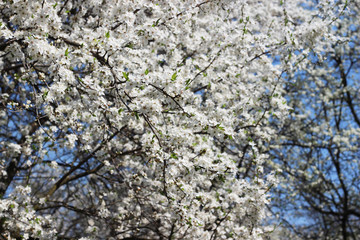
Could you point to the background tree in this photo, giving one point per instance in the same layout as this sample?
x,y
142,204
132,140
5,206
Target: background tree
x,y
319,149
141,119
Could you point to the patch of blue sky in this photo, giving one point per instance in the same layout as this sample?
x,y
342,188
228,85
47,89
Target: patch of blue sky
x,y
276,60
200,92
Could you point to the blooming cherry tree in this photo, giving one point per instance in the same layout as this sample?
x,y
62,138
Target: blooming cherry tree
x,y
143,119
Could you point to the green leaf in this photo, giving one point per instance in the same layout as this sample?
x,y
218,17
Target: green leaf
x,y
137,115
120,110
219,127
45,95
66,52
173,155
146,71
174,76
140,32
156,23
126,76
130,45
107,35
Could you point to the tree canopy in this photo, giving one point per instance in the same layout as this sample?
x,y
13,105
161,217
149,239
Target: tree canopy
x,y
164,119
